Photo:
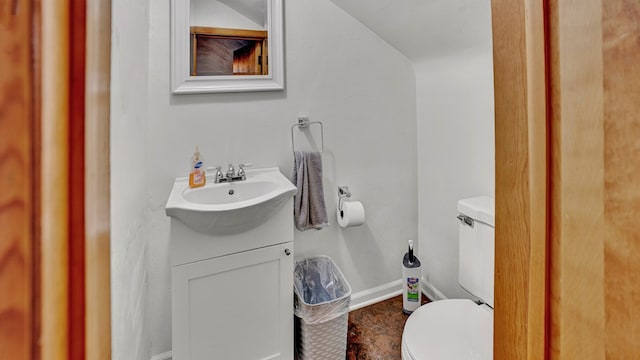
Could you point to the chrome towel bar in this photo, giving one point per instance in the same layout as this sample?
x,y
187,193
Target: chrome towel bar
x,y
304,123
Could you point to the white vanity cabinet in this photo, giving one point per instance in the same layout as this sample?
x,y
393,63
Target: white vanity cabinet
x,y
232,268
236,306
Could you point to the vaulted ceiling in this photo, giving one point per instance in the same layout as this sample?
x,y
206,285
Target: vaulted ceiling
x,y
426,28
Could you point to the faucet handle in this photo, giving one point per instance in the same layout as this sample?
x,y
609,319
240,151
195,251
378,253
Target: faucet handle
x,y
218,170
241,169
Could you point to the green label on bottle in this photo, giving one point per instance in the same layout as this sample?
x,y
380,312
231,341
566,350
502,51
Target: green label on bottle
x,y
413,291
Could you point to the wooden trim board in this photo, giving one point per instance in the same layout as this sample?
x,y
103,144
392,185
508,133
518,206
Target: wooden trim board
x,y
229,33
18,242
621,129
54,209
576,180
521,179
97,175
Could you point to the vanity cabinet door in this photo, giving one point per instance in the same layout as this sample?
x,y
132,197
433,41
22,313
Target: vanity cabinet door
x,y
238,306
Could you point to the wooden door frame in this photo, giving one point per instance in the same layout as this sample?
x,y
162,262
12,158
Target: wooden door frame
x,y
75,314
53,69
566,89
577,182
521,128
58,134
97,205
18,252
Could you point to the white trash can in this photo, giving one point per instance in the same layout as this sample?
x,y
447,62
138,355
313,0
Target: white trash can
x,y
322,298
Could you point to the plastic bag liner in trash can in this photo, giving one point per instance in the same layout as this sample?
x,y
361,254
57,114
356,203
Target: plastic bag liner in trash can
x,y
322,298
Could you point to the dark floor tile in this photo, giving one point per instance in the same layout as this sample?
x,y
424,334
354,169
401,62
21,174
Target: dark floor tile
x,y
375,331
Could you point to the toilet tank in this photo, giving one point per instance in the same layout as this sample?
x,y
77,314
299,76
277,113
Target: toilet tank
x,y
477,244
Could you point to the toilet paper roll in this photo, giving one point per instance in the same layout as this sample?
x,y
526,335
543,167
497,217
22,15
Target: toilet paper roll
x,y
352,214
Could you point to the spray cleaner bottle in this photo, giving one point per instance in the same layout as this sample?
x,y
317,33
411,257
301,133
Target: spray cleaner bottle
x,y
411,293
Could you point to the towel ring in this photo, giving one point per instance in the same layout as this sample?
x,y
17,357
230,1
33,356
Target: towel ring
x,y
303,123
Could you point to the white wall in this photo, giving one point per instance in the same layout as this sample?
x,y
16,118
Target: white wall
x,y
217,14
455,153
450,45
338,72
129,209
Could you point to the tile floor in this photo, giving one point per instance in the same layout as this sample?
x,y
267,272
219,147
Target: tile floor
x,y
375,331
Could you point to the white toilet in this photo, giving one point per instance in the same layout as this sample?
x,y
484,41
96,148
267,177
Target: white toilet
x,y
460,329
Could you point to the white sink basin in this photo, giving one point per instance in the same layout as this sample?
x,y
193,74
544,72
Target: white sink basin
x,y
230,207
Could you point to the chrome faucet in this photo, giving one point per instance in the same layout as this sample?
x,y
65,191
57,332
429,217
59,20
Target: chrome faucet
x,y
241,172
231,174
218,175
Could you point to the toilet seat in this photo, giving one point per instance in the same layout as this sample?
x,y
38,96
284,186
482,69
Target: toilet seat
x,y
454,329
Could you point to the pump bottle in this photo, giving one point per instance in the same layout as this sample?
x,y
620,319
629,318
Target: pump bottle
x,y
197,177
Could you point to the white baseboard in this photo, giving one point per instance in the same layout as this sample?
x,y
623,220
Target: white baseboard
x,y
389,290
375,295
163,356
431,291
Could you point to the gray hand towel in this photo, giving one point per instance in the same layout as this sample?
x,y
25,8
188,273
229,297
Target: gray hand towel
x,y
309,209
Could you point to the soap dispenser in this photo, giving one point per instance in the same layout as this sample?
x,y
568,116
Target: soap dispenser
x,y
197,176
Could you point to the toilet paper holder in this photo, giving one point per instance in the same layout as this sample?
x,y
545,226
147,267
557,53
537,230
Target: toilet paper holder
x,y
343,191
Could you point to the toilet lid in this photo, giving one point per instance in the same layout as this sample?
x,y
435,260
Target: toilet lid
x,y
450,329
